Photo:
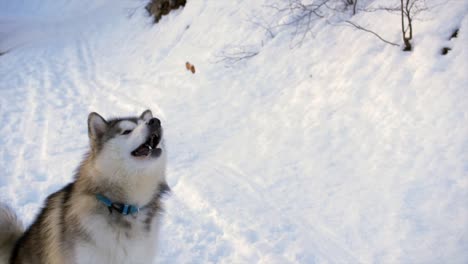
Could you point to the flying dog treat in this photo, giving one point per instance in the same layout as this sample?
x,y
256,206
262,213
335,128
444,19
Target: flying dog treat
x,y
190,67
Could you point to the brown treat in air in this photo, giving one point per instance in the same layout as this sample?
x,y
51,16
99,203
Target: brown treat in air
x,y
187,65
192,69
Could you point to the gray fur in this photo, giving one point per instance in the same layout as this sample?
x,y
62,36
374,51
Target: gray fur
x,y
10,231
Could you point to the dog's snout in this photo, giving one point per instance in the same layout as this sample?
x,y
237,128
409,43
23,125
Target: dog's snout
x,y
154,123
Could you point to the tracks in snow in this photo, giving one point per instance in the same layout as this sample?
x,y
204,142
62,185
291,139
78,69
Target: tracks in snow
x,y
257,232
42,114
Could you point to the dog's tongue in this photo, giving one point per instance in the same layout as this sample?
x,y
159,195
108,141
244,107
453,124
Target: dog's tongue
x,y
143,150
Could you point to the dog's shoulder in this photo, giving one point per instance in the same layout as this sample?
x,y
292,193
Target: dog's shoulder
x,y
45,233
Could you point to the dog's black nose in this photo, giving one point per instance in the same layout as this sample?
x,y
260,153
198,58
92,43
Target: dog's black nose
x,y
154,123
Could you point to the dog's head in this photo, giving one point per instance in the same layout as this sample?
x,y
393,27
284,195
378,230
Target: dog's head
x,y
126,144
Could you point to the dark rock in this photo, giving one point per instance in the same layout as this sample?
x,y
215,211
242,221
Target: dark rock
x,y
454,34
445,50
159,8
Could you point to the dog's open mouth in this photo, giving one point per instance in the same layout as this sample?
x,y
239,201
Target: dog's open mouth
x,y
149,148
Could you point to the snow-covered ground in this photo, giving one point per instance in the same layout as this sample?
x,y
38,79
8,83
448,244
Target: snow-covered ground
x,y
340,150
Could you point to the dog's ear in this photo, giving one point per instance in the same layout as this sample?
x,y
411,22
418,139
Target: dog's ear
x,y
97,126
147,115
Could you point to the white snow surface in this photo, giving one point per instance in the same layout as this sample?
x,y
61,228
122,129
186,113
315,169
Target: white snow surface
x,y
340,150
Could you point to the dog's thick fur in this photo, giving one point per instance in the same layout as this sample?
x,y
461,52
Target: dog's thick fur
x,y
10,230
74,226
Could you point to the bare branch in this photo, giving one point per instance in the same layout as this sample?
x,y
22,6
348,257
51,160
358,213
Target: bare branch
x,y
263,25
235,54
371,32
302,16
390,9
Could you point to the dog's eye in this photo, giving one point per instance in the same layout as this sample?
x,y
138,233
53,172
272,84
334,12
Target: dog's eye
x,y
126,132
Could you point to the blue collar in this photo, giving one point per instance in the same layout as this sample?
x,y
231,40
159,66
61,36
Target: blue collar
x,y
122,208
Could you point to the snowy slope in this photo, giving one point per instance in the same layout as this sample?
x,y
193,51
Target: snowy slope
x,y
340,150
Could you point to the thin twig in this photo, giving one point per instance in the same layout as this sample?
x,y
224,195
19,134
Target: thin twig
x,y
235,54
372,32
261,24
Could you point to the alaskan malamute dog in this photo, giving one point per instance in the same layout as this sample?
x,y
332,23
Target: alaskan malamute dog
x,y
110,212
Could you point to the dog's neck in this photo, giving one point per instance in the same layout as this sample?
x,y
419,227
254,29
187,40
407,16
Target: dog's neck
x,y
130,209
138,188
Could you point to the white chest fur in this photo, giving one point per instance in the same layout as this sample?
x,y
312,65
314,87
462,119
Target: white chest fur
x,y
117,243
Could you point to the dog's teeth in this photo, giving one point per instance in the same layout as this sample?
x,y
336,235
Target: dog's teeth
x,y
150,151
